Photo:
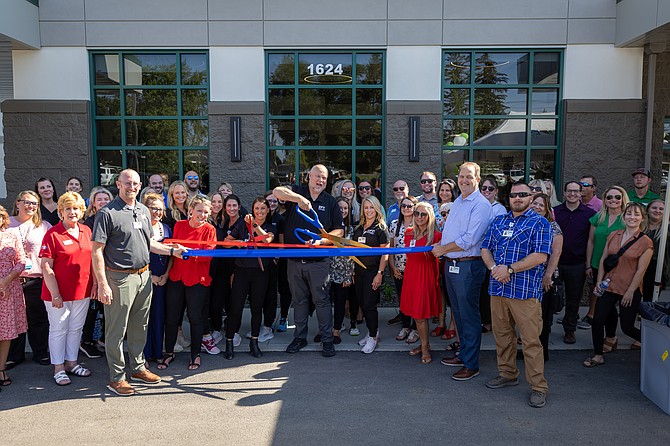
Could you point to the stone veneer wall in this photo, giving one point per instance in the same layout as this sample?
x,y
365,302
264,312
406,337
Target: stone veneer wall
x,y
604,138
661,110
247,176
397,143
46,139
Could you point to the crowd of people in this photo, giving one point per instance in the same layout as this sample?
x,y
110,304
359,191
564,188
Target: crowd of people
x,y
70,264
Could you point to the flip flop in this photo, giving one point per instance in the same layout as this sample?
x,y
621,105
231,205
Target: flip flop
x,y
589,363
62,379
78,370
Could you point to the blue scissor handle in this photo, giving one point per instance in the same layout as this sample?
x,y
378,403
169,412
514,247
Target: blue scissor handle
x,y
307,232
315,221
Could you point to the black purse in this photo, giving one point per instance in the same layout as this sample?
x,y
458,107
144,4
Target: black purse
x,y
556,295
612,260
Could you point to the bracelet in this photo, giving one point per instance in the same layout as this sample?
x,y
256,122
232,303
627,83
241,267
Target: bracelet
x,y
589,267
55,297
493,266
380,272
255,225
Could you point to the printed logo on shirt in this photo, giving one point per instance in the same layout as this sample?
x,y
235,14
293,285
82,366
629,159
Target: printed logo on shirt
x,y
369,231
322,208
44,247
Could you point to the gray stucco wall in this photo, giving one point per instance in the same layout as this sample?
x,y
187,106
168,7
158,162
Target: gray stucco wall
x,y
604,138
46,139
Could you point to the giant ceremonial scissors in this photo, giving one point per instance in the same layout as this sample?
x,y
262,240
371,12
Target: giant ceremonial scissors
x,y
340,242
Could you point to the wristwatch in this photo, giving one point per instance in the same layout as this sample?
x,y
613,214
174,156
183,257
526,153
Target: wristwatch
x,y
510,270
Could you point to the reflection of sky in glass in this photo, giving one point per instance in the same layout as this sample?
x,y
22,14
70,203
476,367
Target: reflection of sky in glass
x,y
513,66
545,101
513,100
666,134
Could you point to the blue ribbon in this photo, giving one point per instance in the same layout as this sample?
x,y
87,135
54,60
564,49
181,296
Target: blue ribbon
x,y
301,253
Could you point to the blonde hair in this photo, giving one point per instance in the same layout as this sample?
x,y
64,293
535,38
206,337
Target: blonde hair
x,y
198,199
172,206
604,212
430,226
379,218
71,199
5,218
91,199
152,197
37,216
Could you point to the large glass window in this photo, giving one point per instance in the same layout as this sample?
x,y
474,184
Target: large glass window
x,y
501,110
325,107
150,114
666,154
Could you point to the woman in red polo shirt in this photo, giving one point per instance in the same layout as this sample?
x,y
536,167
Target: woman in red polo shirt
x,y
66,267
189,282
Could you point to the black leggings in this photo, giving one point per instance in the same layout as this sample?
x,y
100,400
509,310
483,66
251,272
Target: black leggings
x,y
547,321
339,296
94,308
367,298
270,303
605,316
404,319
284,289
196,299
221,271
252,282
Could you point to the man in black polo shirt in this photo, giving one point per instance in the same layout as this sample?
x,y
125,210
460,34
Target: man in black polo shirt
x,y
309,277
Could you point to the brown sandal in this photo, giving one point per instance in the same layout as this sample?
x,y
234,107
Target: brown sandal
x,y
415,351
426,359
589,363
609,347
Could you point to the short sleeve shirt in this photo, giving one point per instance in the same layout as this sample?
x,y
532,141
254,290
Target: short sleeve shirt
x,y
600,234
71,262
31,236
126,233
374,236
399,242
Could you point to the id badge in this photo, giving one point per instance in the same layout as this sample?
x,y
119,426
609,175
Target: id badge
x,y
67,242
412,243
361,239
29,264
453,269
137,225
507,233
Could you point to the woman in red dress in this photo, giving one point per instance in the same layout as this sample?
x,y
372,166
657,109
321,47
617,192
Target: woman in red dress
x,y
421,288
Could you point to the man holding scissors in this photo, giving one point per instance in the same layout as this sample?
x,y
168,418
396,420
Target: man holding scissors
x,y
309,276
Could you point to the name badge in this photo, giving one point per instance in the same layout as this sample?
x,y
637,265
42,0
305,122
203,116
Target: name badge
x,y
453,269
412,243
29,264
137,225
361,239
67,242
507,233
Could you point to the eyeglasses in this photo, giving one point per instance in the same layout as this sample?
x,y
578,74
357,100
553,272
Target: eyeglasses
x,y
348,189
193,177
156,209
364,187
613,197
420,214
30,203
407,206
519,194
535,188
488,188
584,184
398,189
427,180
573,191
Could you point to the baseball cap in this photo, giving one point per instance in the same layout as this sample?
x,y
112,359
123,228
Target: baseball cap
x,y
643,171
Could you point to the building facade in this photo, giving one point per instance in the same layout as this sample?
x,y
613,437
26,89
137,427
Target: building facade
x,y
254,92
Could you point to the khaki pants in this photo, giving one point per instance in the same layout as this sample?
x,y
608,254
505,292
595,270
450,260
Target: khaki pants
x,y
506,314
127,315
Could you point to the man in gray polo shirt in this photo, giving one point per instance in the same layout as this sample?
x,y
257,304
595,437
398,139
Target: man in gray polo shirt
x,y
121,243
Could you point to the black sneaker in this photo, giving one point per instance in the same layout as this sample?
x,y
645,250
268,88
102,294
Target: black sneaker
x,y
296,345
90,350
328,349
395,321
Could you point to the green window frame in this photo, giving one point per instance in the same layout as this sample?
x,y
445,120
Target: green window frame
x,y
149,112
338,120
665,168
503,111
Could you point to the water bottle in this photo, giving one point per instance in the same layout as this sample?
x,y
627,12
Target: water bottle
x,y
602,287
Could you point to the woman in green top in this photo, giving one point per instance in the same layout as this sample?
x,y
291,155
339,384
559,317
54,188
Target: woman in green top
x,y
606,221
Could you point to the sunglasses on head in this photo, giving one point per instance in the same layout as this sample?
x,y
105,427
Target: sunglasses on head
x,y
407,206
488,188
613,197
192,177
364,187
519,194
398,189
427,180
536,188
420,214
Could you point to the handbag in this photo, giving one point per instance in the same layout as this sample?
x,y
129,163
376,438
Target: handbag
x,y
612,260
556,295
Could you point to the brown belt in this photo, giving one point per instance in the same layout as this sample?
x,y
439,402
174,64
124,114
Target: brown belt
x,y
464,259
128,271
24,280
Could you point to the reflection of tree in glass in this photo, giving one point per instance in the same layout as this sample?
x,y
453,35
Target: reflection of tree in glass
x,y
370,72
489,101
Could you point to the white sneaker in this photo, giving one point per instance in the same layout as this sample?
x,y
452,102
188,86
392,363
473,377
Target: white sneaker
x,y
237,340
265,334
218,337
370,345
248,335
208,345
181,340
177,348
364,341
354,331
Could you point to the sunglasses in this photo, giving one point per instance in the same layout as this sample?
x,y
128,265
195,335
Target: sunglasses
x,y
30,203
427,180
364,187
407,206
519,194
488,188
192,177
348,189
586,184
536,188
613,197
398,189
420,214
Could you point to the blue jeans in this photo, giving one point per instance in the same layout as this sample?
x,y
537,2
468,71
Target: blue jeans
x,y
463,289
